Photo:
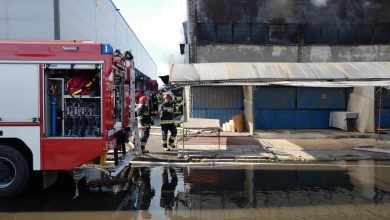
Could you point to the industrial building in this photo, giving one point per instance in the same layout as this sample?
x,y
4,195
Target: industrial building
x,y
288,64
87,20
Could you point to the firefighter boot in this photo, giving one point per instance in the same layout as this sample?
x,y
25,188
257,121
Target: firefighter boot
x,y
172,145
172,141
165,147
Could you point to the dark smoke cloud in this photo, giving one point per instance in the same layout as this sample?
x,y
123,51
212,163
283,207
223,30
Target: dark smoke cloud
x,y
319,3
294,11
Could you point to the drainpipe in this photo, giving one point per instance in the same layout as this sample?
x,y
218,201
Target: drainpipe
x,y
57,29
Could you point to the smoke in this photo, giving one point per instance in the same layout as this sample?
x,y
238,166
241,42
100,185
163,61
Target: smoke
x,y
319,3
293,11
344,12
279,11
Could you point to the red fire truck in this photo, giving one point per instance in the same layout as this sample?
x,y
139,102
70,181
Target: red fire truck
x,y
62,104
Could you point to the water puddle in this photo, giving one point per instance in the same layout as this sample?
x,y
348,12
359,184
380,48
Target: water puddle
x,y
357,190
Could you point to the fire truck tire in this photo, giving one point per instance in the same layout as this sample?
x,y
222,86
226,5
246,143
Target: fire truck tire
x,y
14,171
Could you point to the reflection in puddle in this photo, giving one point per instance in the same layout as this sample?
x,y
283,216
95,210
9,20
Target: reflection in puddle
x,y
342,191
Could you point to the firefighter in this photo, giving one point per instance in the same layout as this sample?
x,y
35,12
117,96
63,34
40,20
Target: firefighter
x,y
154,101
122,137
144,122
166,110
141,192
167,200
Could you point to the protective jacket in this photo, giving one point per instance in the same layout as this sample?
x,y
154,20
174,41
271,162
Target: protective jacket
x,y
144,118
166,110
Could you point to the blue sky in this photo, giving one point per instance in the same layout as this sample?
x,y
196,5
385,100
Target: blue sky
x,y
158,25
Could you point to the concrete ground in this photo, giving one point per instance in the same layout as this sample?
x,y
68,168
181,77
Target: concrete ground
x,y
247,148
324,149
312,134
269,146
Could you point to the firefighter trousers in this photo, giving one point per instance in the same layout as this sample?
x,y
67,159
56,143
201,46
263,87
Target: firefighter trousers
x,y
116,157
165,128
145,138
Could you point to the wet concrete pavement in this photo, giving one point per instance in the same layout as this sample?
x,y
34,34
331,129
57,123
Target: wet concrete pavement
x,y
267,146
236,147
340,190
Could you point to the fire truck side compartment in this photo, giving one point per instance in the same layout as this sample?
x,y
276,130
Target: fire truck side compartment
x,y
72,115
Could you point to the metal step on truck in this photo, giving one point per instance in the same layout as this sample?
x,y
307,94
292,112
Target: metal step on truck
x,y
62,104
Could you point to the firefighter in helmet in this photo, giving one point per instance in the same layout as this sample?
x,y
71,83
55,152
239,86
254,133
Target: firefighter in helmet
x,y
144,121
166,110
167,199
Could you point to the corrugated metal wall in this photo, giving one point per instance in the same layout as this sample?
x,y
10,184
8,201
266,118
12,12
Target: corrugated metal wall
x,y
321,98
385,117
383,107
216,102
296,108
275,98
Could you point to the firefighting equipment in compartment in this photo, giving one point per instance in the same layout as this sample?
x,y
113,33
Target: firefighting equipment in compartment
x,y
52,92
82,83
143,100
82,117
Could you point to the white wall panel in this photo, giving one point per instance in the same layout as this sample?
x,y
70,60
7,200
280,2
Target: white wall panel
x,y
3,10
27,9
77,20
105,23
31,29
102,23
26,20
95,20
3,29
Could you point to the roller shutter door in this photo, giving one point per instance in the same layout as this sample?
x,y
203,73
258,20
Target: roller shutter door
x,y
216,102
296,108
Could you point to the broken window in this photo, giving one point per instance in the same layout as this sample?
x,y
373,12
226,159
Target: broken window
x,y
277,34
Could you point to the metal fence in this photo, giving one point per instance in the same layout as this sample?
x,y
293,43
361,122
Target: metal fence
x,y
307,34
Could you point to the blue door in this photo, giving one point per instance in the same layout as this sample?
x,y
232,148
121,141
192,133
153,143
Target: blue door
x,y
275,107
296,108
382,109
217,102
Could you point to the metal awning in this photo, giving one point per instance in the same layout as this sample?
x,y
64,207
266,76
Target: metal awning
x,y
342,74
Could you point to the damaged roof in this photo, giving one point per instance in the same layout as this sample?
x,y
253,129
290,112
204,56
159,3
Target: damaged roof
x,y
292,74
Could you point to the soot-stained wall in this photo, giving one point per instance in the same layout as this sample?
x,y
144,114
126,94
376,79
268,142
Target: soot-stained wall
x,y
294,11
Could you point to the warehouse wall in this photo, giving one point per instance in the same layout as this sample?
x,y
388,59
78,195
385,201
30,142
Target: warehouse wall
x,y
92,20
216,102
226,31
98,20
252,53
19,22
293,11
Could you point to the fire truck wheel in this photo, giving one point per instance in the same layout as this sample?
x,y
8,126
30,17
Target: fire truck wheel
x,y
14,172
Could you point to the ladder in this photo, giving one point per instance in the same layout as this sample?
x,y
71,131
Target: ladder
x,y
134,129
